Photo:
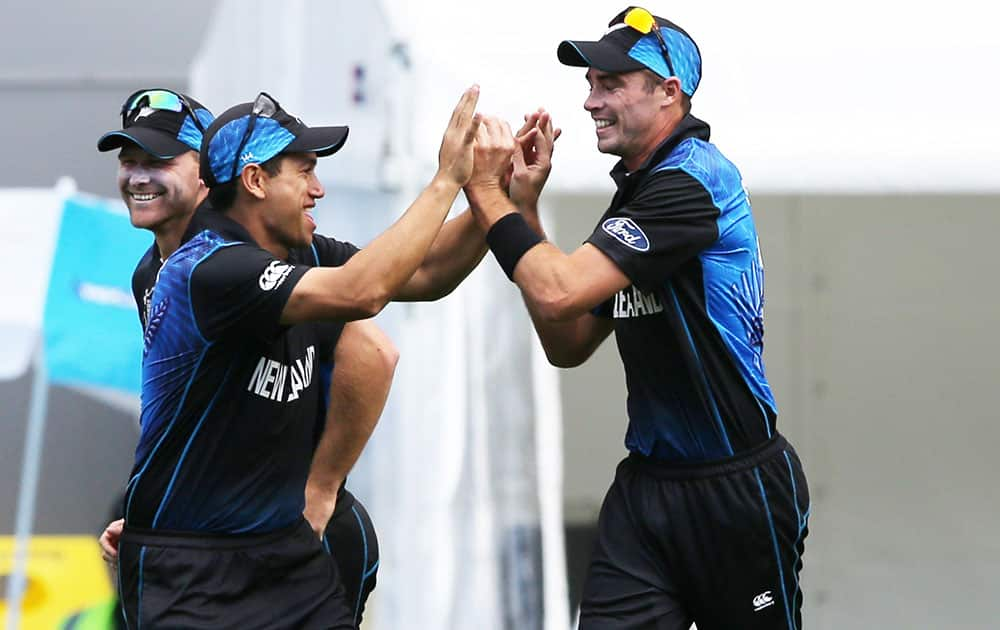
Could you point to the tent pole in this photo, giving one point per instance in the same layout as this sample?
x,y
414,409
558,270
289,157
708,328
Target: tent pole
x,y
34,434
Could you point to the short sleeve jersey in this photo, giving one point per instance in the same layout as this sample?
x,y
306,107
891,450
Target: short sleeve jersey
x,y
230,396
690,327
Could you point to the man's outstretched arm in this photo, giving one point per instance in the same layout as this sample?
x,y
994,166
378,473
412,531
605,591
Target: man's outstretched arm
x,y
371,278
364,362
461,243
456,251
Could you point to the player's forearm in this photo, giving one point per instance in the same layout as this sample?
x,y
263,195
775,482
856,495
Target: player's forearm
x,y
365,284
532,218
456,251
364,364
489,203
544,273
569,343
389,261
337,452
550,285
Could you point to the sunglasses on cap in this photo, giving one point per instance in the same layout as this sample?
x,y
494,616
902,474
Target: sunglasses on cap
x,y
159,99
643,21
264,106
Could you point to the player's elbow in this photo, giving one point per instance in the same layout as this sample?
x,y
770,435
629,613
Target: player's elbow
x,y
369,307
369,299
565,359
557,307
388,354
440,289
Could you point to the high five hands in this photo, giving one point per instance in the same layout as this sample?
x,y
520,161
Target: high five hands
x,y
532,159
516,164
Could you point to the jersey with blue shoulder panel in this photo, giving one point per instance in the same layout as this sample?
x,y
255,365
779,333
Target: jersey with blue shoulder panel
x,y
690,328
230,396
324,252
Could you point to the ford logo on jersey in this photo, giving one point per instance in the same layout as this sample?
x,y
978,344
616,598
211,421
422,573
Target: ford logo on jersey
x,y
626,231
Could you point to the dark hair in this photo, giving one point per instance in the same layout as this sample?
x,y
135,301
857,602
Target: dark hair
x,y
653,80
223,196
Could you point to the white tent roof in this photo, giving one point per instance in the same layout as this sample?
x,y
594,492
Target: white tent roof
x,y
853,96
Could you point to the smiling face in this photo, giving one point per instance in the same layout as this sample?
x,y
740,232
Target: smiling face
x,y
630,114
292,192
161,195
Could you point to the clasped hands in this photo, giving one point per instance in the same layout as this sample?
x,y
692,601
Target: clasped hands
x,y
515,164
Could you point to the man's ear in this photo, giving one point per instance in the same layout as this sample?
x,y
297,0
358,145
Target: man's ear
x,y
255,180
672,91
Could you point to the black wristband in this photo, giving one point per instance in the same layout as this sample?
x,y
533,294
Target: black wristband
x,y
509,239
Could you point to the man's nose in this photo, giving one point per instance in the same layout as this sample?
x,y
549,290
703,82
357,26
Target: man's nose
x,y
138,176
317,192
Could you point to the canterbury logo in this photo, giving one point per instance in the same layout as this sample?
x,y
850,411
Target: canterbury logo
x,y
762,601
274,275
246,157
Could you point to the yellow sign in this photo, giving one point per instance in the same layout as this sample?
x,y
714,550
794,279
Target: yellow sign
x,y
65,574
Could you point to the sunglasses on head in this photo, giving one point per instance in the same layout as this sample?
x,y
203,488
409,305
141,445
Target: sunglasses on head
x,y
159,99
263,107
643,21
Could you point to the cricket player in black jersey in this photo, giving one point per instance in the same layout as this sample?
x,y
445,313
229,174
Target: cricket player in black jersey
x,y
214,534
159,141
706,517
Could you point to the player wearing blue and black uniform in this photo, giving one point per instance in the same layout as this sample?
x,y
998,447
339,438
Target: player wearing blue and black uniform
x,y
214,534
224,449
364,362
158,177
706,518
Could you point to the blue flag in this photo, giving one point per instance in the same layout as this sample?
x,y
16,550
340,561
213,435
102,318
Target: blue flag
x,y
91,326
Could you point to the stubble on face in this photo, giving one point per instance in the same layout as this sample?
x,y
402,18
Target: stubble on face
x,y
294,190
624,110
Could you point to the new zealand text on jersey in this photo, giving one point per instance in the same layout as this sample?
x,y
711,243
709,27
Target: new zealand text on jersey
x,y
270,377
632,302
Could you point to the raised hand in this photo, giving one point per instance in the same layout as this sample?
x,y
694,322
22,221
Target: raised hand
x,y
493,150
532,160
455,158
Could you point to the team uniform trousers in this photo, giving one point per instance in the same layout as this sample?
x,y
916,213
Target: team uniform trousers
x,y
719,544
351,541
282,579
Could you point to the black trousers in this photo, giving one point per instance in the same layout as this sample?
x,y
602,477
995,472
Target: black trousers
x,y
350,538
281,579
717,544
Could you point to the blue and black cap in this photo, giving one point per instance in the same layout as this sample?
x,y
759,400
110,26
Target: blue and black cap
x,y
161,122
253,133
639,40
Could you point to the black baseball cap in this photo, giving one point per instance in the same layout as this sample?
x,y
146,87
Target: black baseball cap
x,y
253,133
161,122
625,48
